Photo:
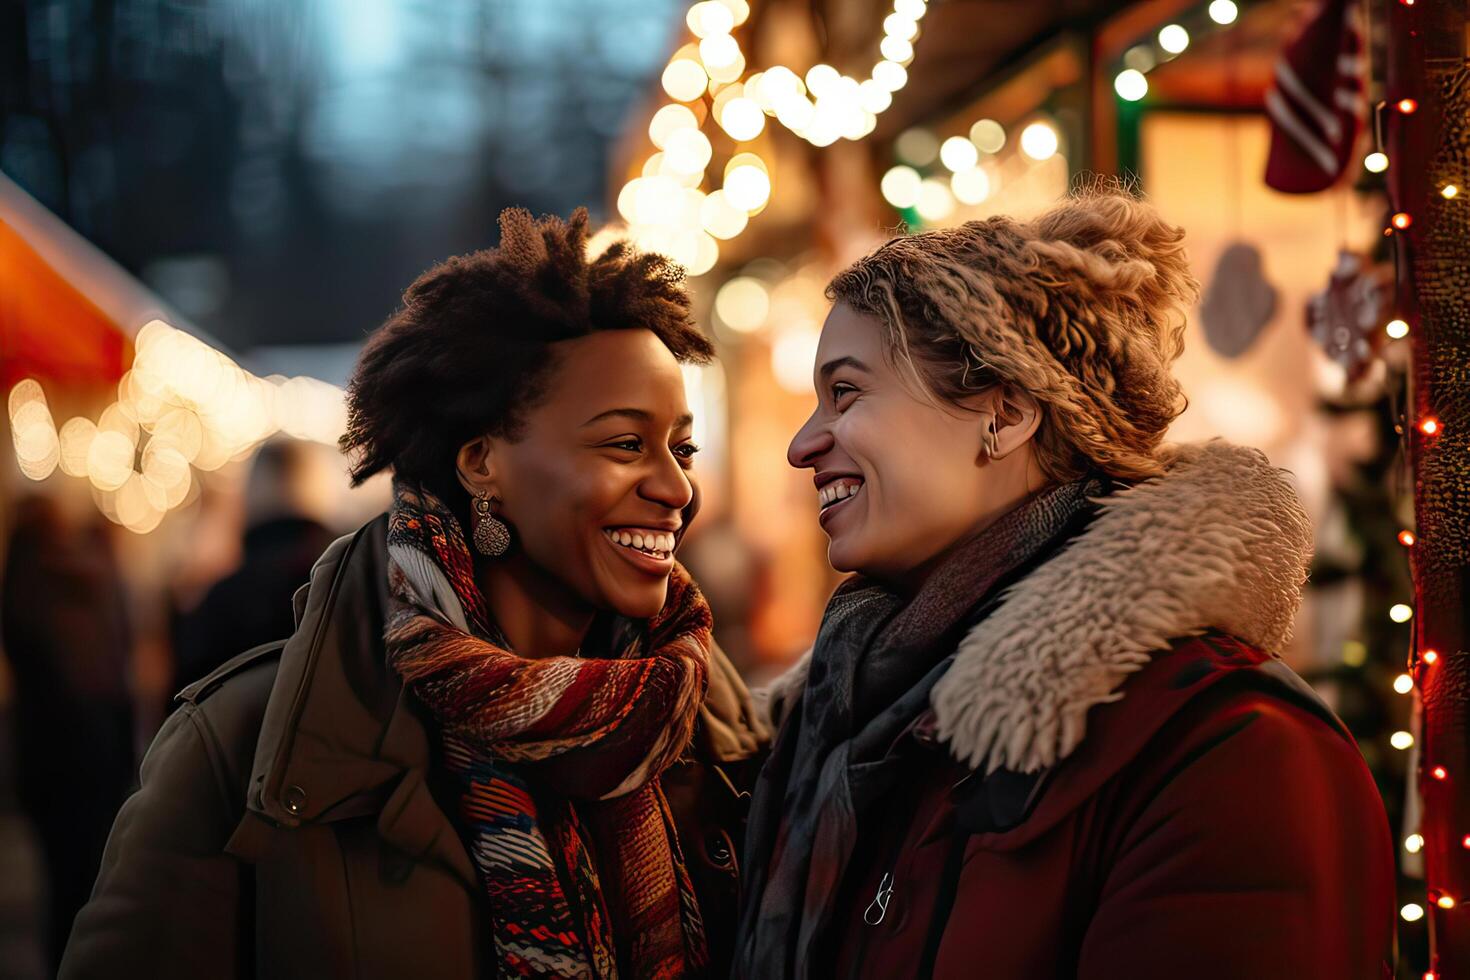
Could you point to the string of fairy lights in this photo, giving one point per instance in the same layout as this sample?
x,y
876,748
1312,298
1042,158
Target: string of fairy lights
x,y
1422,660
182,408
666,207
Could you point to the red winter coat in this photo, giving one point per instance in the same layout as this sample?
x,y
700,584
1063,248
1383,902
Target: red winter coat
x,y
1213,824
1152,809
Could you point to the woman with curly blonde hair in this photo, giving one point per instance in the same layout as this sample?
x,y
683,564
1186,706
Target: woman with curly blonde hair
x,y
1044,730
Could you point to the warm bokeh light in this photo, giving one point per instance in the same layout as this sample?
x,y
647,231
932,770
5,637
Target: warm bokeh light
x,y
1400,613
743,304
1376,162
684,79
900,186
1224,12
1396,329
935,201
988,135
1173,39
1401,740
970,186
1039,141
1403,683
1130,84
957,153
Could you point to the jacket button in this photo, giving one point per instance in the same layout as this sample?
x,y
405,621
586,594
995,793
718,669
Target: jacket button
x,y
295,799
717,848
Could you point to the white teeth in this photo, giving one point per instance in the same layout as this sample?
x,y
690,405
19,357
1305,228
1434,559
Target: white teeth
x,y
834,492
658,545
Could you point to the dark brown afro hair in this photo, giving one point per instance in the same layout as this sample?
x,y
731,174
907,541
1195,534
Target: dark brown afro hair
x,y
470,350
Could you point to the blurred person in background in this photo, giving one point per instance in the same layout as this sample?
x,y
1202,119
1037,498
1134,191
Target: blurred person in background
x,y
69,642
283,539
1042,731
494,743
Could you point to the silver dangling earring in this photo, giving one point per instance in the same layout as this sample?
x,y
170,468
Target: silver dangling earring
x,y
492,537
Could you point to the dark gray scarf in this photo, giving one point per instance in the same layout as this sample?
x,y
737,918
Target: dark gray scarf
x,y
877,656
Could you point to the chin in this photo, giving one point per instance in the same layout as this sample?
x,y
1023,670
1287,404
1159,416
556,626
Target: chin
x,y
844,557
643,603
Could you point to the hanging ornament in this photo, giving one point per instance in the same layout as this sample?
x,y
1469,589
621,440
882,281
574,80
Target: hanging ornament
x,y
1343,318
1316,102
1238,303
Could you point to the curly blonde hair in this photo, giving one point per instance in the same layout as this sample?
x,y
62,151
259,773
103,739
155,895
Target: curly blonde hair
x,y
1082,308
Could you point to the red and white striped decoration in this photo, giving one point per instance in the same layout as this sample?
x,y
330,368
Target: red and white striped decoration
x,y
1316,102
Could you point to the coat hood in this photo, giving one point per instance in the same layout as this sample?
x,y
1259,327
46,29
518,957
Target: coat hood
x,y
1218,543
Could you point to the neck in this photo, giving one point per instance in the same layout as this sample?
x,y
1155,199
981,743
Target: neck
x,y
538,616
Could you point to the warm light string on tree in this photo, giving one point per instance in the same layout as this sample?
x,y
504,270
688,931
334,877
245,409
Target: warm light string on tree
x,y
666,207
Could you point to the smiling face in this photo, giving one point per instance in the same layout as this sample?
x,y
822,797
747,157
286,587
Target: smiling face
x,y
597,484
899,479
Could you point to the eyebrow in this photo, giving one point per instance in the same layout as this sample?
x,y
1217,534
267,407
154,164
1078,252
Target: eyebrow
x,y
637,415
833,365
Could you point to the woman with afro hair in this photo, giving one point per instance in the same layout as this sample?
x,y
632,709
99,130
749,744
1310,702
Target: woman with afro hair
x,y
1044,731
493,744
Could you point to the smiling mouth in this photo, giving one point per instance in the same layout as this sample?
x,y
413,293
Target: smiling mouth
x,y
647,549
838,491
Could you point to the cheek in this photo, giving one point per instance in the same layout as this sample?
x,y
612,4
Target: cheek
x,y
557,503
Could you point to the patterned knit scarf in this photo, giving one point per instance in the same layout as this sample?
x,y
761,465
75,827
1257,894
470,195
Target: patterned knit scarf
x,y
559,761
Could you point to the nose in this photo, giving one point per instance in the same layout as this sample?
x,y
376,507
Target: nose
x,y
667,483
811,442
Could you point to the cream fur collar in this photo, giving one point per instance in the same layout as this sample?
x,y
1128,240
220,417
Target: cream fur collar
x,y
1219,542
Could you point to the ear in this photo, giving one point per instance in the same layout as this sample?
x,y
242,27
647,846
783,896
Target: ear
x,y
1015,416
474,464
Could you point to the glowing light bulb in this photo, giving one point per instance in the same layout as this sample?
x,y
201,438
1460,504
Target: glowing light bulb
x,y
899,26
1131,84
1448,191
988,135
1402,220
1173,39
1039,141
897,49
1429,656
1406,538
685,80
748,187
742,119
891,75
1414,843
1407,106
1429,426
900,186
1440,773
935,201
1224,12
1403,684
1445,901
1412,912
958,154
710,18
970,186
1400,613
1401,740
1397,329
1376,162
743,304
